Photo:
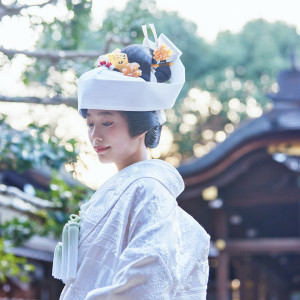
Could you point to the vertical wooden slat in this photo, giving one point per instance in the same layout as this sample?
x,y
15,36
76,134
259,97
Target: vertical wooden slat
x,y
222,272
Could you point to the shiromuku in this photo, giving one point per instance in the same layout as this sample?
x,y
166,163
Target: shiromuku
x,y
131,240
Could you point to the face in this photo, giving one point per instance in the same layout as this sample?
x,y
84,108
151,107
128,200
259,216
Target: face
x,y
109,135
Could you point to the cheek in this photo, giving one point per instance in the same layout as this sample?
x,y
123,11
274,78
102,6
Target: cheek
x,y
122,138
89,132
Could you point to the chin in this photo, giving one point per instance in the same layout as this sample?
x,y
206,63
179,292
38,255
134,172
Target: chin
x,y
105,160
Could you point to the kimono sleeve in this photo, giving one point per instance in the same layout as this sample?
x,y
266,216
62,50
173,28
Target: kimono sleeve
x,y
145,266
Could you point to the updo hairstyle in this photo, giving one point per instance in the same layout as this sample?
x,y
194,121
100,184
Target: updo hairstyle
x,y
145,121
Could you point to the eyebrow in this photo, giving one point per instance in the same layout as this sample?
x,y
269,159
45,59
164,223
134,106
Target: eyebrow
x,y
101,113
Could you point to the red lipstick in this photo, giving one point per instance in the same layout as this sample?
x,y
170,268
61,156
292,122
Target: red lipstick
x,y
99,149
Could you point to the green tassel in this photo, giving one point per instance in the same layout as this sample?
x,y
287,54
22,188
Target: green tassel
x,y
73,237
56,268
65,241
66,253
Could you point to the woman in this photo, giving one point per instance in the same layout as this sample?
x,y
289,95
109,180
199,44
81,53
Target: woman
x,y
135,242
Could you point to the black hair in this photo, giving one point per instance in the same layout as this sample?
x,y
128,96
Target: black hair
x,y
144,121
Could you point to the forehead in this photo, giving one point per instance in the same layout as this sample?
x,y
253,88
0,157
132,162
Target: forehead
x,y
100,112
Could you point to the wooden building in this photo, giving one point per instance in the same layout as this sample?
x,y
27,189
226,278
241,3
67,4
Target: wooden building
x,y
246,193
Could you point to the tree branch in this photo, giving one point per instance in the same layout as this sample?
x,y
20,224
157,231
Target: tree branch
x,y
72,102
14,9
56,55
52,55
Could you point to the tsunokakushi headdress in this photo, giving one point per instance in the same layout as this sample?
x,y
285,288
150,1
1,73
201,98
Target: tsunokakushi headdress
x,y
116,83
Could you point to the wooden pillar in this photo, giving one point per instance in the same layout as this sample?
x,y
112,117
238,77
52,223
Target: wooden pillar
x,y
222,272
222,276
262,288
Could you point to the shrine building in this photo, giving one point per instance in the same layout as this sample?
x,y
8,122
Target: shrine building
x,y
246,194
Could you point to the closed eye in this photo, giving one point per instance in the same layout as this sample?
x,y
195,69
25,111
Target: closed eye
x,y
90,125
107,123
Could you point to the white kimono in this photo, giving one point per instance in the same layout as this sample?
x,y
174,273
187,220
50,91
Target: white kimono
x,y
136,243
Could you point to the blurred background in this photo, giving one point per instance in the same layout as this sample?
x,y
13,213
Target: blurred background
x,y
234,134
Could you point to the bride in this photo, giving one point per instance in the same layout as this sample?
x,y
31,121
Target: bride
x,y
131,240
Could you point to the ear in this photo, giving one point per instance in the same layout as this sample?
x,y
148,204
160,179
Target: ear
x,y
141,136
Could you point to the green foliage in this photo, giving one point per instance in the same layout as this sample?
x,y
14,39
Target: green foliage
x,y
70,33
33,148
127,23
17,230
67,199
13,266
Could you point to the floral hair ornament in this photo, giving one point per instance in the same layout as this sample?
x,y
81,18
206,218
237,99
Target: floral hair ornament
x,y
132,69
102,88
161,54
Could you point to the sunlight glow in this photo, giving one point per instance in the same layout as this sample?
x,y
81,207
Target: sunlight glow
x,y
166,141
229,128
207,134
190,119
220,136
215,106
253,108
200,150
174,160
234,104
233,116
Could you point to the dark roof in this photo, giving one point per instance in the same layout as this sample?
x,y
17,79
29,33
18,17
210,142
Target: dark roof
x,y
283,123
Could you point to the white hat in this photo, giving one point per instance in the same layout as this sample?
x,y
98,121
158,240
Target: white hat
x,y
102,88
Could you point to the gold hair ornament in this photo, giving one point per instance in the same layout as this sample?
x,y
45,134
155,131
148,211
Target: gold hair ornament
x,y
132,70
113,60
162,53
165,64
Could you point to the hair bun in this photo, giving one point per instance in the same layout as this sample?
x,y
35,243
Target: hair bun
x,y
152,136
162,74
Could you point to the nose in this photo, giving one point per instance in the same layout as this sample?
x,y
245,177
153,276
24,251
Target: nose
x,y
95,135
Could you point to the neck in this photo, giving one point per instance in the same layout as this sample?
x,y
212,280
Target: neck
x,y
141,155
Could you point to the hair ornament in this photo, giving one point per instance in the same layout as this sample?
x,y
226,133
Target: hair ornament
x,y
114,60
108,65
162,53
132,69
167,54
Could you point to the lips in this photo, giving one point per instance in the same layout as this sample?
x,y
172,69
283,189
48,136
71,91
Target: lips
x,y
101,149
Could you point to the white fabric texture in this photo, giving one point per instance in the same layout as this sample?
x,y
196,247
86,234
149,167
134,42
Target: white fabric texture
x,y
137,243
102,88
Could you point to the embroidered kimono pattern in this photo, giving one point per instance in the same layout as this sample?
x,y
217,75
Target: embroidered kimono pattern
x,y
137,243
